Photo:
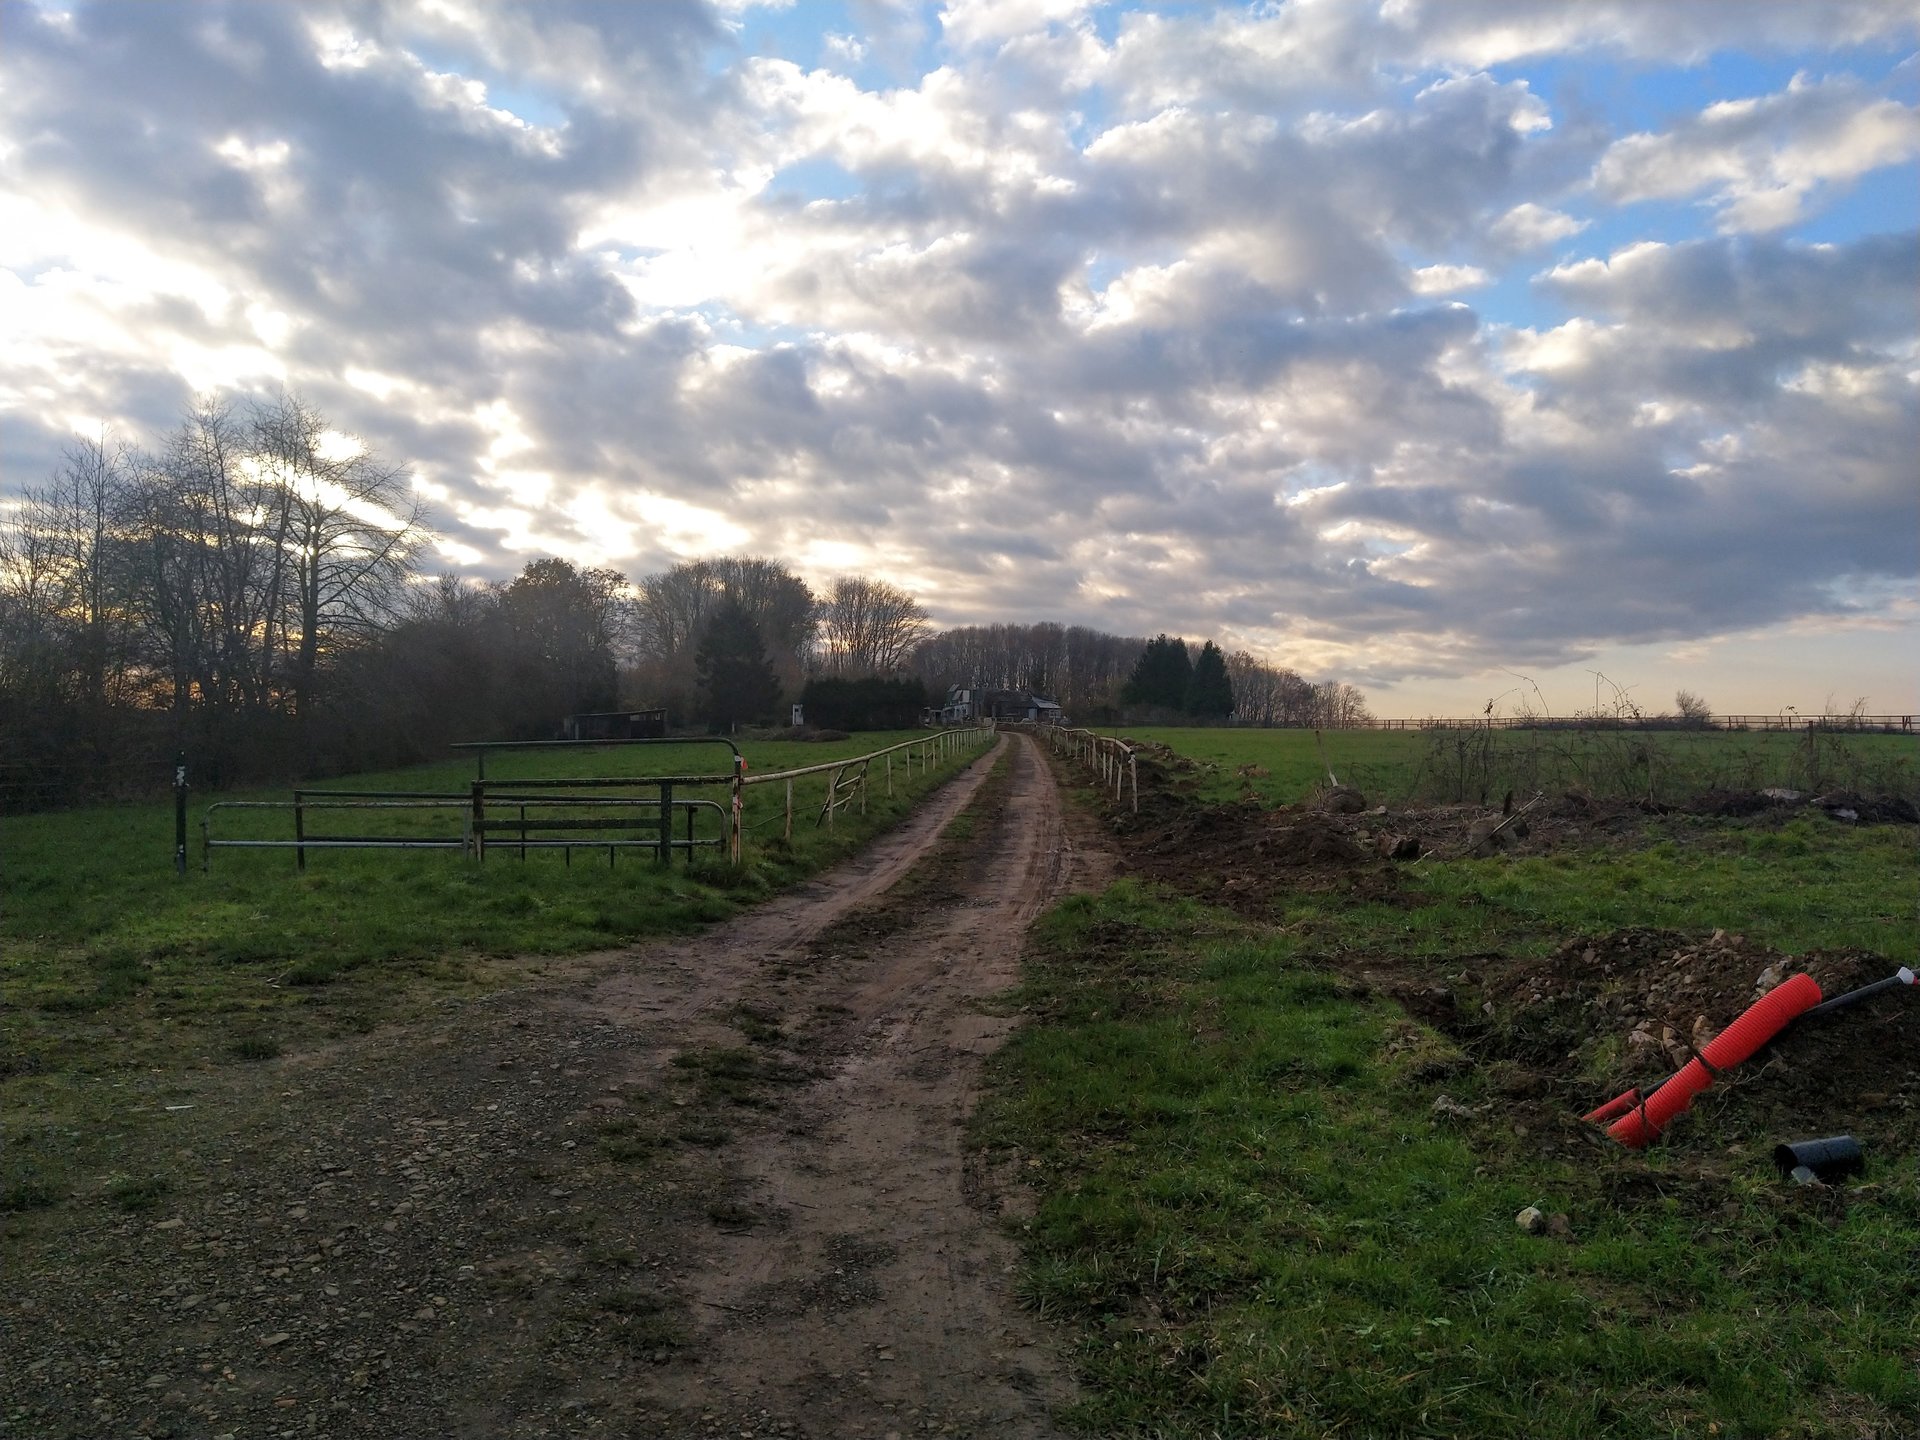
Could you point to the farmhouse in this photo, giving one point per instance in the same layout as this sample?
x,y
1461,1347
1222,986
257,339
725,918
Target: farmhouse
x,y
966,704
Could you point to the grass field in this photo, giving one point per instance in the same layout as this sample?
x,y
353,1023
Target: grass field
x,y
1468,765
121,977
1270,1203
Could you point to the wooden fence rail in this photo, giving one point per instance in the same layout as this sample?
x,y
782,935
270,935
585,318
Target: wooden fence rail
x,y
1113,760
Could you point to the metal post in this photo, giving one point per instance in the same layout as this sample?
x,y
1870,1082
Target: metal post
x,y
180,813
889,777
666,825
299,832
786,831
735,848
689,834
479,820
523,834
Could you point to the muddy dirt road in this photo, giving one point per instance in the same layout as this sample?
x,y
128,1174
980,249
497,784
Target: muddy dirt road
x,y
716,1187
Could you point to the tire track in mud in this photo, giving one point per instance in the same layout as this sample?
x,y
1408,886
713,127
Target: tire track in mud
x,y
882,1298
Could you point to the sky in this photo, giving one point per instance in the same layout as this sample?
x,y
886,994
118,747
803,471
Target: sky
x,y
1465,350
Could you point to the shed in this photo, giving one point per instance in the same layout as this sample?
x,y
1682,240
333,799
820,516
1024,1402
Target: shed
x,y
616,725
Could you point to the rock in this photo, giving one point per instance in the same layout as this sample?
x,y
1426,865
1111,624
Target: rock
x,y
279,1337
1531,1220
1396,847
1559,1225
1670,1042
1445,1107
1343,800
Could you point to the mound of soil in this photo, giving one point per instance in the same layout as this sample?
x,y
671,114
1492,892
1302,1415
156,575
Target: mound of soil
x,y
1243,856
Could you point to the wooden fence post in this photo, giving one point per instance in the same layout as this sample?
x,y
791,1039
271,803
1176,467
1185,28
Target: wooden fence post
x,y
787,831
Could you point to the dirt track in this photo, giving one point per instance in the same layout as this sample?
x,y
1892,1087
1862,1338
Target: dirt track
x,y
713,1187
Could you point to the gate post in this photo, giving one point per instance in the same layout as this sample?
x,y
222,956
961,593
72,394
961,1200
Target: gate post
x,y
180,813
735,846
479,816
666,826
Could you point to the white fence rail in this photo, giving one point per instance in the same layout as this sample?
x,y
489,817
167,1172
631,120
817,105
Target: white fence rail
x,y
1112,760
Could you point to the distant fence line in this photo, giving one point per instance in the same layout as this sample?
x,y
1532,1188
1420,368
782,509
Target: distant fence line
x,y
645,806
1863,724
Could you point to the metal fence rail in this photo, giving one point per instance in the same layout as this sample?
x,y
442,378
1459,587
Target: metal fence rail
x,y
517,814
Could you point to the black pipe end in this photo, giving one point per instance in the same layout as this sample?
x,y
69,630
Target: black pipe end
x,y
1829,1158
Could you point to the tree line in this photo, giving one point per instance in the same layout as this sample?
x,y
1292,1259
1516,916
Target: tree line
x,y
1100,678
252,592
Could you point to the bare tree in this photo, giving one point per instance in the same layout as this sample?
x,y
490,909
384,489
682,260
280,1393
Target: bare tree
x,y
868,627
62,567
1693,708
352,529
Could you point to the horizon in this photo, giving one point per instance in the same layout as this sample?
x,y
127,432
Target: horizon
x,y
1446,350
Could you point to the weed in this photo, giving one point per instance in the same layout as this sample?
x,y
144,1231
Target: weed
x,y
736,1075
137,1192
730,1215
254,1047
26,1188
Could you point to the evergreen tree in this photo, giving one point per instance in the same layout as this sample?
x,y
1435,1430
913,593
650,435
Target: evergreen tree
x,y
737,683
1160,676
1210,690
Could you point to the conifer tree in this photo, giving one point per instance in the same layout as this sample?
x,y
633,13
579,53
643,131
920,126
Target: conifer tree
x,y
1161,675
1210,690
737,683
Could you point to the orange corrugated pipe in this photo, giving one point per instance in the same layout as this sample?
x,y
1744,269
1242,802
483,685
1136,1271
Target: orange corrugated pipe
x,y
1763,1020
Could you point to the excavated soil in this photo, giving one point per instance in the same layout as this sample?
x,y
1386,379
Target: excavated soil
x,y
716,1187
1635,1004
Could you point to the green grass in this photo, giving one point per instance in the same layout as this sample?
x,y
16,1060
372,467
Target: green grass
x,y
1250,1215
1398,766
121,977
1806,885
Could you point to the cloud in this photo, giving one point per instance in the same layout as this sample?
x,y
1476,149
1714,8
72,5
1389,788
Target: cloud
x,y
1763,161
1149,320
1446,279
1531,226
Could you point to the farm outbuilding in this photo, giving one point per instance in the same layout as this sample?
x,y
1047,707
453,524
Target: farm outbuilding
x,y
616,725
